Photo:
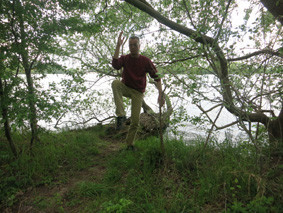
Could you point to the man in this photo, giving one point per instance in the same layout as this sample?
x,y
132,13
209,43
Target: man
x,y
133,84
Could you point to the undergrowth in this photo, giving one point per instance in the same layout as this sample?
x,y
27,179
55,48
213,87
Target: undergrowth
x,y
189,177
56,157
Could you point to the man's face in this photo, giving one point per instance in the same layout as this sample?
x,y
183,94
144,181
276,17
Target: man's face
x,y
134,46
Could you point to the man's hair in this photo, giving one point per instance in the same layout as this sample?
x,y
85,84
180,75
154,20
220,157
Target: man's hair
x,y
135,37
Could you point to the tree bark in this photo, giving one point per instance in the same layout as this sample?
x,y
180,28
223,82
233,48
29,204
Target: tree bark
x,y
275,128
32,113
4,110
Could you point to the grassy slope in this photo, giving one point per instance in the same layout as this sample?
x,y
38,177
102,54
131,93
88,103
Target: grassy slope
x,y
85,171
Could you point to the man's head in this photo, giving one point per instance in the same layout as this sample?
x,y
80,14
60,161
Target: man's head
x,y
134,46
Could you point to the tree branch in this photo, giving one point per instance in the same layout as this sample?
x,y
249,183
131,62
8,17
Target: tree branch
x,y
223,19
264,51
214,122
179,60
173,25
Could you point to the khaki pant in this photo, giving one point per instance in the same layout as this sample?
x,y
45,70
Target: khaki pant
x,y
120,90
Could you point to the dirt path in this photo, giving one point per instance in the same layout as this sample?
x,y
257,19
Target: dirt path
x,y
58,190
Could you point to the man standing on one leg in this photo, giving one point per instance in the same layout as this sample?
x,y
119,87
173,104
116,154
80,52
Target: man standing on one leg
x,y
133,84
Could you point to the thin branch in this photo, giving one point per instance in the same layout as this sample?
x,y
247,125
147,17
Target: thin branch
x,y
188,12
179,60
222,22
213,122
228,125
264,51
213,125
57,122
212,108
95,118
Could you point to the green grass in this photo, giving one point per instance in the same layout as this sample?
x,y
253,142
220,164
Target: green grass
x,y
189,178
56,157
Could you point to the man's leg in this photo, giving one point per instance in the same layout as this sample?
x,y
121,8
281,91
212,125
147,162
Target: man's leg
x,y
137,98
119,90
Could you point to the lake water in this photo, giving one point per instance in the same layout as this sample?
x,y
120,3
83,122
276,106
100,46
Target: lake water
x,y
98,105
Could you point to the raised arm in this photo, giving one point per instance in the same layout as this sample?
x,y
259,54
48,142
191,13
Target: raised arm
x,y
119,44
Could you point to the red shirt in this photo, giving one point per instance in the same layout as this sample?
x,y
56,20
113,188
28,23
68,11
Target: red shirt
x,y
135,69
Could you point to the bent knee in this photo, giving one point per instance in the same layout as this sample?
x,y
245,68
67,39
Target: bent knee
x,y
115,83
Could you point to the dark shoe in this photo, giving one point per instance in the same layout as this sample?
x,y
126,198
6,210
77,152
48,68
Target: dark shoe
x,y
120,122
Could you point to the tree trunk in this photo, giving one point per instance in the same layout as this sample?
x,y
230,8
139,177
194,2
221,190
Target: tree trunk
x,y
27,67
275,131
32,112
4,110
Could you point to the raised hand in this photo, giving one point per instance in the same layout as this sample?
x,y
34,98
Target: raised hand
x,y
120,39
120,42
